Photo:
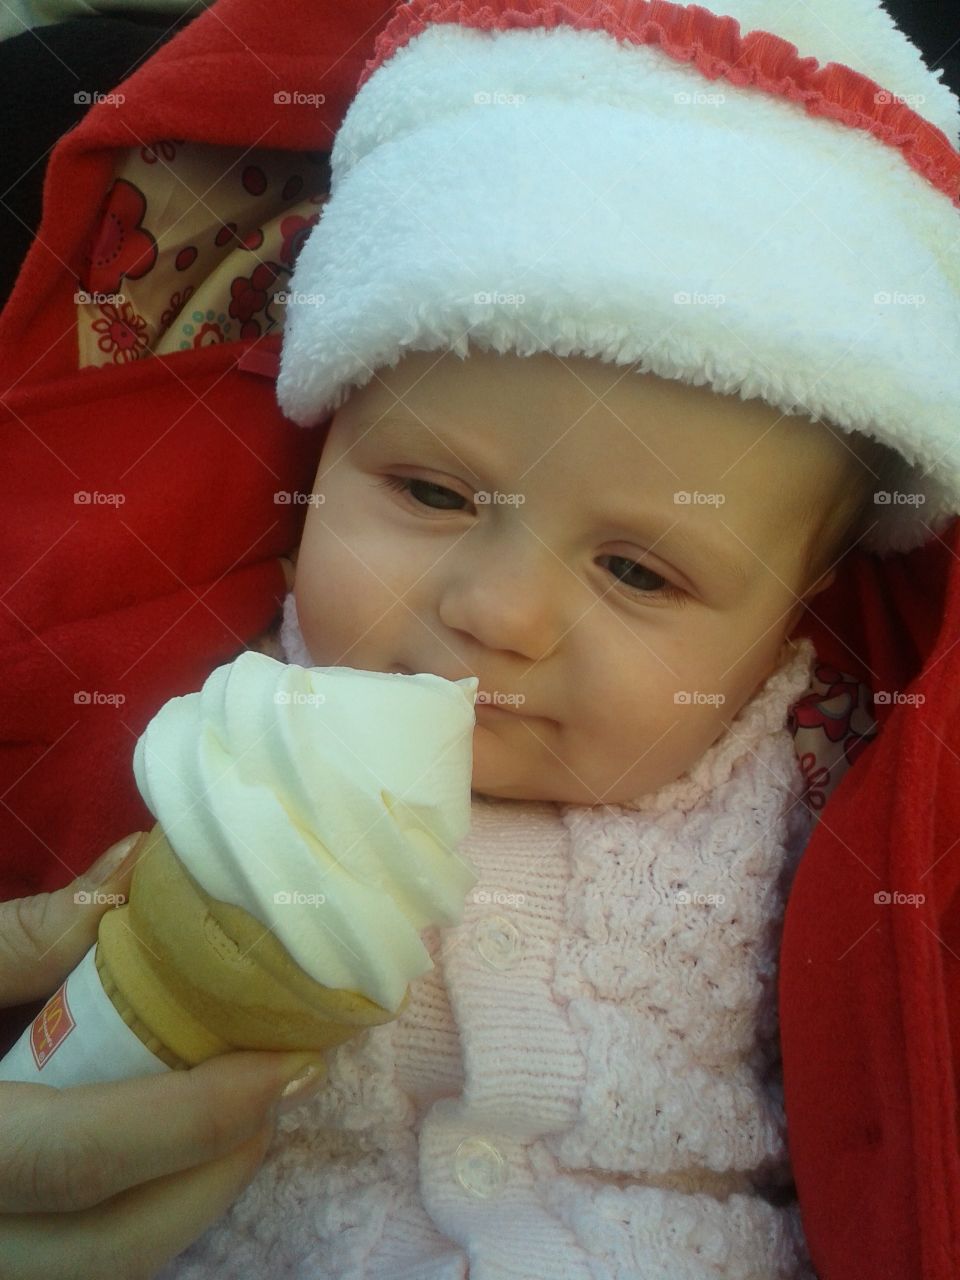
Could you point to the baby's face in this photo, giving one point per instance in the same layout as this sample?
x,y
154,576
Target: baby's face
x,y
620,627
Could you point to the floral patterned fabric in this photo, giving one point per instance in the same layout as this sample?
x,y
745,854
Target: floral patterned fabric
x,y
194,245
831,726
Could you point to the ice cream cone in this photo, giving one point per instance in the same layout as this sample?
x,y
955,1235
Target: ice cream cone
x,y
194,977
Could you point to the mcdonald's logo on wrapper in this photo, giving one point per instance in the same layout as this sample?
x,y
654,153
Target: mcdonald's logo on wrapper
x,y
51,1027
102,1047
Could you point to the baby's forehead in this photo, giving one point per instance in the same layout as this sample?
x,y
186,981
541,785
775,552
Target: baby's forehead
x,y
493,391
617,423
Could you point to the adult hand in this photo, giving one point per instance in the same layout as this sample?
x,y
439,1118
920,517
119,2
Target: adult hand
x,y
116,1179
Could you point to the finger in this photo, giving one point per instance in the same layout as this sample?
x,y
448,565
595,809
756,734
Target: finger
x,y
43,938
69,1149
138,1231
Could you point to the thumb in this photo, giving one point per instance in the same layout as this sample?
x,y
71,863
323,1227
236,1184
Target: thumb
x,y
43,938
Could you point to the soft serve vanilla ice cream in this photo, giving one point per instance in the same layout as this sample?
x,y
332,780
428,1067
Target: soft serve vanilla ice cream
x,y
328,803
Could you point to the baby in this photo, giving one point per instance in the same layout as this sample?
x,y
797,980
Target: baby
x,y
563,459
620,559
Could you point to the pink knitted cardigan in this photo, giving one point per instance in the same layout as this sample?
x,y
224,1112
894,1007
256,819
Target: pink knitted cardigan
x,y
587,1083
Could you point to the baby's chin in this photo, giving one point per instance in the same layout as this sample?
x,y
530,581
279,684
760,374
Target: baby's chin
x,y
499,775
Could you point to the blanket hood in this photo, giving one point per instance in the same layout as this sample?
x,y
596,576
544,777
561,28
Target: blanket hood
x,y
112,607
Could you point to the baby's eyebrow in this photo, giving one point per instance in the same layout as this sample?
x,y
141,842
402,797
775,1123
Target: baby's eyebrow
x,y
705,551
393,431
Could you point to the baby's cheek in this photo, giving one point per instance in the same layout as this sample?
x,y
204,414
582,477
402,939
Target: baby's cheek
x,y
317,594
667,738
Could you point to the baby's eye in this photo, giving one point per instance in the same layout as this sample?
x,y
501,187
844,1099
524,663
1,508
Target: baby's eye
x,y
406,484
623,568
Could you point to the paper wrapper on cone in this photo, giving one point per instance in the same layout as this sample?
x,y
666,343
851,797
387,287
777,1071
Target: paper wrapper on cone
x,y
182,978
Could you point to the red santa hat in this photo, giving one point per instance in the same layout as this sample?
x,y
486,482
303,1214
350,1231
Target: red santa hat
x,y
771,214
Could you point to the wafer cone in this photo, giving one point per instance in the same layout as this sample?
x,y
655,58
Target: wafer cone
x,y
195,977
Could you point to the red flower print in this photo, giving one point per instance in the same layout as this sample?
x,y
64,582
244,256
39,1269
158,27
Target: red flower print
x,y
120,246
177,303
208,335
254,180
836,711
816,778
163,149
229,235
249,293
831,710
203,328
124,333
294,231
812,713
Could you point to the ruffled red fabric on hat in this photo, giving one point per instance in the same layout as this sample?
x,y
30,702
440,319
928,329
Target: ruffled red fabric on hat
x,y
715,46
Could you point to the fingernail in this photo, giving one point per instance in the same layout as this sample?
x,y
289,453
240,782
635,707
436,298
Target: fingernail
x,y
302,1086
112,861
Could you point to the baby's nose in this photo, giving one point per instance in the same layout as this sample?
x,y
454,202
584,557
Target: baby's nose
x,y
518,615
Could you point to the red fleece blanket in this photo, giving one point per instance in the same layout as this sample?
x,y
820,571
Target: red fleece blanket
x,y
109,611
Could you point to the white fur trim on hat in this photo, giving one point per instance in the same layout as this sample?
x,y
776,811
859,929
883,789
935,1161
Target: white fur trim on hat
x,y
606,200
